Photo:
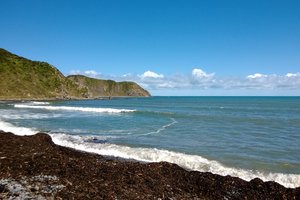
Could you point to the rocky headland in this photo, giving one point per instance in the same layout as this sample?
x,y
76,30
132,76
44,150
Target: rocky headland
x,y
33,167
24,79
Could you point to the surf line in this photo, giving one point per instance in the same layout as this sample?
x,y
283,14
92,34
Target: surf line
x,y
82,109
162,128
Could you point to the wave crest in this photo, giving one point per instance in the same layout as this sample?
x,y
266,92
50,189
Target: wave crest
x,y
40,103
70,108
8,127
190,162
101,146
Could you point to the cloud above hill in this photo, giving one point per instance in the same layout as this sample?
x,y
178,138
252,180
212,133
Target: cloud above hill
x,y
88,73
150,74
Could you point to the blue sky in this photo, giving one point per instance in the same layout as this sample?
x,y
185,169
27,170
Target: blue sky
x,y
186,47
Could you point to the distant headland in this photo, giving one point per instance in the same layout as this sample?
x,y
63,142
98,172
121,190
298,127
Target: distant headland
x,y
24,79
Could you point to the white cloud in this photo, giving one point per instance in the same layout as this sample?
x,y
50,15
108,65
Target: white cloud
x,y
127,75
75,72
292,75
150,74
200,74
289,81
198,79
91,73
256,76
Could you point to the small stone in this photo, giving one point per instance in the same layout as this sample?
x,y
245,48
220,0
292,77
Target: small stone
x,y
33,189
2,188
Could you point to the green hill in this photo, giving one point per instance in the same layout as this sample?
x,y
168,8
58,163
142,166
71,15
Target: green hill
x,y
95,88
21,78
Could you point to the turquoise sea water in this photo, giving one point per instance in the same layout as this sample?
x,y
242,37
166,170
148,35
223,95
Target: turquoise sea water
x,y
241,136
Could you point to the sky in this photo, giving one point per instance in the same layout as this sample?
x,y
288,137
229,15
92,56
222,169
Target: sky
x,y
170,47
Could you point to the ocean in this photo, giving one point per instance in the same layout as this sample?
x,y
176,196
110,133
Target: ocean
x,y
246,137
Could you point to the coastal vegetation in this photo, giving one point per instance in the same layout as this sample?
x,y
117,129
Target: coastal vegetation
x,y
93,87
22,78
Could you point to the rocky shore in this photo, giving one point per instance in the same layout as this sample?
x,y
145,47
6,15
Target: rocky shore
x,y
33,167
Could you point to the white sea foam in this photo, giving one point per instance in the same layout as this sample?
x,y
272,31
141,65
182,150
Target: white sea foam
x,y
29,116
70,108
8,127
191,162
162,128
40,102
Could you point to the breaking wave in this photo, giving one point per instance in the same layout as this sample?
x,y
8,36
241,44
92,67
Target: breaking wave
x,y
40,103
8,127
190,162
101,145
70,108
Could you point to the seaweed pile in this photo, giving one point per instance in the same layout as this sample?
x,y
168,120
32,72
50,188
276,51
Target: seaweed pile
x,y
33,167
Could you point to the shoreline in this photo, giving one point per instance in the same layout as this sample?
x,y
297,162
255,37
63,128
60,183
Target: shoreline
x,y
45,169
69,99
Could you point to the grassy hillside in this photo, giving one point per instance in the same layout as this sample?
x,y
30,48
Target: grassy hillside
x,y
25,79
96,88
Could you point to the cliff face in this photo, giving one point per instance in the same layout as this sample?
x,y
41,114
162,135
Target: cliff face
x,y
25,79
